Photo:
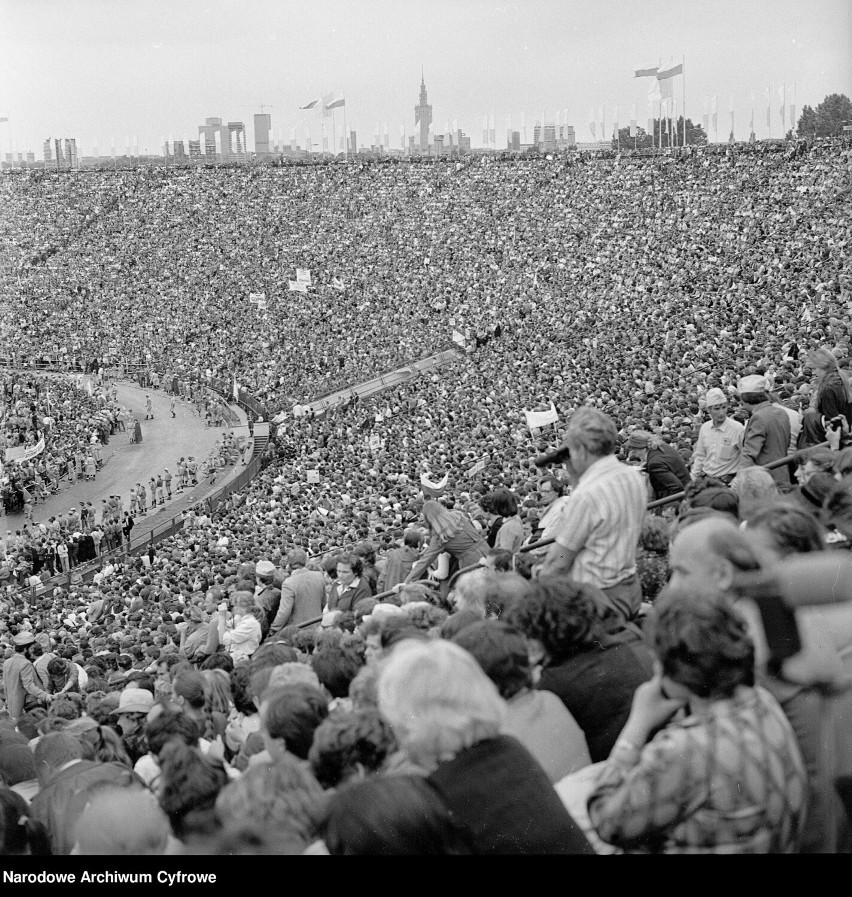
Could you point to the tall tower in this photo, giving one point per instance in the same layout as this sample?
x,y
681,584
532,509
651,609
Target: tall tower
x,y
423,115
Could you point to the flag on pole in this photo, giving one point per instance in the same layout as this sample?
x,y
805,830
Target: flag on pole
x,y
668,74
646,73
310,105
615,122
334,101
768,94
633,120
3,119
793,108
715,109
434,489
731,110
707,116
782,95
492,131
654,95
592,122
485,130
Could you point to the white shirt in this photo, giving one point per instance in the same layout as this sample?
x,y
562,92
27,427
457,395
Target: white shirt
x,y
717,451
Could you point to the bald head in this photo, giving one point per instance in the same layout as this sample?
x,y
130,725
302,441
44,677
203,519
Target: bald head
x,y
708,552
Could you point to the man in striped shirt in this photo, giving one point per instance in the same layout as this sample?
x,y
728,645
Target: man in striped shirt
x,y
600,524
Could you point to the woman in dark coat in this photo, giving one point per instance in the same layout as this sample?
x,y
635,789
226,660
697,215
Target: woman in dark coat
x,y
447,717
592,664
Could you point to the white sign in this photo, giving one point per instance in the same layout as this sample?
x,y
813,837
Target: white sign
x,y
478,467
313,476
375,443
297,286
25,453
257,297
538,419
303,275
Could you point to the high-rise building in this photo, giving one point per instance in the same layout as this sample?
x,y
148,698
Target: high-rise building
x,y
179,151
30,157
207,137
71,152
262,129
353,142
236,148
423,116
194,149
48,151
515,145
57,147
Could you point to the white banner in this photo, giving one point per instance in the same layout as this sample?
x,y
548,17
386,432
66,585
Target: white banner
x,y
538,419
257,297
25,452
303,275
458,339
297,286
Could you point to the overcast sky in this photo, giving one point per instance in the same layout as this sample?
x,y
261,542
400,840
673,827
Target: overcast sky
x,y
98,69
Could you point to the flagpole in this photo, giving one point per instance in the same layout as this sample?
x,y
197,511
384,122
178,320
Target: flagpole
x,y
333,134
345,131
683,77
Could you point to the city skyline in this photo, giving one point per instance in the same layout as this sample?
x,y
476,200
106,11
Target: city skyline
x,y
95,71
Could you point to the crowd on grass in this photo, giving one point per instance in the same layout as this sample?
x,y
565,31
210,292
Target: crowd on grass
x,y
300,670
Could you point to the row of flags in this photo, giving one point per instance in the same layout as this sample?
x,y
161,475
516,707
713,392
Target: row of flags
x,y
327,104
786,111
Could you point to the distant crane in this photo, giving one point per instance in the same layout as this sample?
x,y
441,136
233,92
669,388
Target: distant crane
x,y
262,106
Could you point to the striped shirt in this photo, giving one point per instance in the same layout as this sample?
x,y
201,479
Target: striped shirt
x,y
602,521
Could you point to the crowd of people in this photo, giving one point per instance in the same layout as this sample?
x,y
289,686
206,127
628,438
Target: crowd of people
x,y
279,676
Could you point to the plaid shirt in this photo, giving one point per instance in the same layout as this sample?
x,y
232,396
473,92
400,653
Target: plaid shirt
x,y
727,780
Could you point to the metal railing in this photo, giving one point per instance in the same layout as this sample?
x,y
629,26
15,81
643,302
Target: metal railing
x,y
658,503
544,543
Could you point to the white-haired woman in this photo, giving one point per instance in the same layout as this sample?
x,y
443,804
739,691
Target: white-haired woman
x,y
447,716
